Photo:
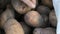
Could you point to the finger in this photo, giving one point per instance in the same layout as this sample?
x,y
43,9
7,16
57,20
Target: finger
x,y
29,3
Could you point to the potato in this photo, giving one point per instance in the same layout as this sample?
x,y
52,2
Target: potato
x,y
26,28
43,31
20,7
47,3
12,26
34,19
43,10
52,18
7,14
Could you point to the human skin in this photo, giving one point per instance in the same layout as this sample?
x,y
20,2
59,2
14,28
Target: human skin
x,y
30,3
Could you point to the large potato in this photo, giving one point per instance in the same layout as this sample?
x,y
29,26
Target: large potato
x,y
34,19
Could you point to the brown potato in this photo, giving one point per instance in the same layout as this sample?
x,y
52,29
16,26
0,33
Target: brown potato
x,y
52,18
34,19
43,31
47,3
13,27
26,28
20,7
7,14
43,10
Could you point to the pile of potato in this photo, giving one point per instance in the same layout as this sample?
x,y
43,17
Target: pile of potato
x,y
16,17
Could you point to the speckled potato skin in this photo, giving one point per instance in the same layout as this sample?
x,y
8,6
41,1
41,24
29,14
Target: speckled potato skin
x,y
7,14
13,27
43,31
26,28
47,3
43,10
20,7
34,19
52,18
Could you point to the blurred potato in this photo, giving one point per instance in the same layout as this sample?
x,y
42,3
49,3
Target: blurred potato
x,y
43,31
52,18
43,10
34,19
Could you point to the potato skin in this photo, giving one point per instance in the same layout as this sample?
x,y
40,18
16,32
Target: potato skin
x,y
43,31
7,14
52,18
13,27
26,28
20,7
43,10
47,3
34,19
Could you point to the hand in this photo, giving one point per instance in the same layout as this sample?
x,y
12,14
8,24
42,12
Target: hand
x,y
30,3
